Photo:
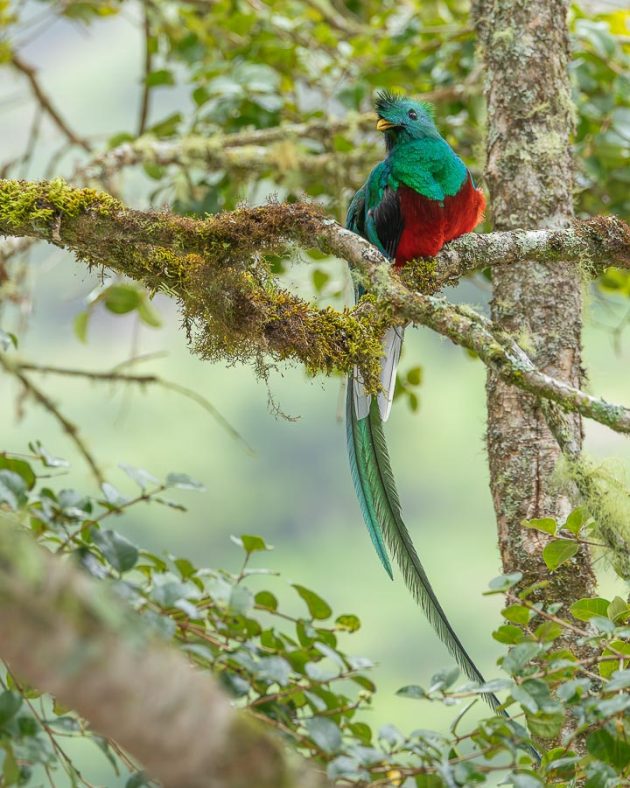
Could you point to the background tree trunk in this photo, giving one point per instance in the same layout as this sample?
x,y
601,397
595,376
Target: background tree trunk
x,y
529,173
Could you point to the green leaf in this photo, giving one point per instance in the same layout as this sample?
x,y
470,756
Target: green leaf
x,y
517,614
148,314
429,781
80,325
112,495
390,734
324,733
414,376
320,279
160,77
607,668
117,139
10,767
412,691
503,582
576,520
200,95
168,126
544,724
559,552
241,600
48,459
444,678
618,610
274,669
362,731
508,634
10,703
545,524
121,298
348,622
12,489
20,467
317,607
619,680
183,482
524,780
155,171
120,552
548,631
251,544
266,599
587,607
520,656
141,477
608,748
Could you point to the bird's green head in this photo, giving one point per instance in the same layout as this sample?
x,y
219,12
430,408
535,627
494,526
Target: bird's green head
x,y
402,119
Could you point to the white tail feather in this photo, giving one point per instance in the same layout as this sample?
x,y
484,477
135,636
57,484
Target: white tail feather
x,y
362,401
392,344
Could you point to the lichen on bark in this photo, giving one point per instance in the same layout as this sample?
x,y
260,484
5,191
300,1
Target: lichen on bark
x,y
529,173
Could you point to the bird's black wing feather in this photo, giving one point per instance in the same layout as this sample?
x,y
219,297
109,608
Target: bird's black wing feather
x,y
388,221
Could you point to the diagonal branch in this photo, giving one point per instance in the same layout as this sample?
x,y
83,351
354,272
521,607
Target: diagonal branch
x,y
233,310
45,102
72,637
69,427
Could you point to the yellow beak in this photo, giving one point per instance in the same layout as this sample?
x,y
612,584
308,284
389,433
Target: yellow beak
x,y
383,125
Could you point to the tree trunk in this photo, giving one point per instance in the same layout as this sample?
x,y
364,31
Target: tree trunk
x,y
529,173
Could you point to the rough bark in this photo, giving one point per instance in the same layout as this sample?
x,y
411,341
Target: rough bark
x,y
70,636
529,173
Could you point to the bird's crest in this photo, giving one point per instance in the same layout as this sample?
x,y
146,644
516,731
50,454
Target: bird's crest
x,y
386,100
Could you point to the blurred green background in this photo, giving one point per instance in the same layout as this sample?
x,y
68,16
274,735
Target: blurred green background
x,y
296,491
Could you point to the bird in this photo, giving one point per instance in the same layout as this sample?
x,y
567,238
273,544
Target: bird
x,y
413,202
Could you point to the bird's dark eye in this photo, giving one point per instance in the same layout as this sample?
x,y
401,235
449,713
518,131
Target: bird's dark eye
x,y
413,114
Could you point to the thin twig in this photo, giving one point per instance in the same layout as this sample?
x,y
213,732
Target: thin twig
x,y
142,380
148,65
46,103
68,427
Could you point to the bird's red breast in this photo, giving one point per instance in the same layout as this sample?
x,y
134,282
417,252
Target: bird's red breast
x,y
429,224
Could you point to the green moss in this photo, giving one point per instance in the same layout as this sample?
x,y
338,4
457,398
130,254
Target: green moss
x,y
420,274
233,308
33,203
605,494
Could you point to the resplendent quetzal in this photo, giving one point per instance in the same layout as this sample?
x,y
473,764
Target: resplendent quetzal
x,y
413,202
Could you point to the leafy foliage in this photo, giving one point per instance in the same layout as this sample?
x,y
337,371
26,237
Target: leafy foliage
x,y
290,670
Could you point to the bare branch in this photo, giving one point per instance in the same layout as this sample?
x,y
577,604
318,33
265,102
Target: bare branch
x,y
277,148
148,64
69,427
72,637
280,157
45,102
115,376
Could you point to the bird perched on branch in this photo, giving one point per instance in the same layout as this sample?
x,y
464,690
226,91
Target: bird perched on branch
x,y
417,199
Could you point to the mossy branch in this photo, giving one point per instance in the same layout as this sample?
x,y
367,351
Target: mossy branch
x,y
234,310
72,637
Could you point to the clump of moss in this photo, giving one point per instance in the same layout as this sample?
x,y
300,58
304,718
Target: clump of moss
x,y
605,494
241,315
36,203
421,275
233,308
